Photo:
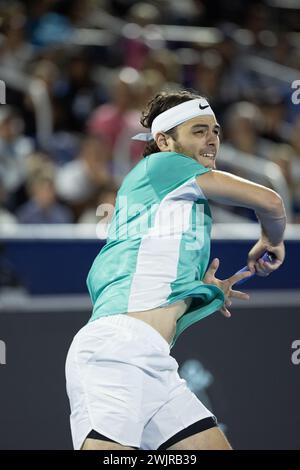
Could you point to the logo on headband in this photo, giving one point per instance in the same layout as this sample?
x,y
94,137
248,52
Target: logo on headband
x,y
203,107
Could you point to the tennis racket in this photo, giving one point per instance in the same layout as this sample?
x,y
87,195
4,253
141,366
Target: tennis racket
x,y
268,256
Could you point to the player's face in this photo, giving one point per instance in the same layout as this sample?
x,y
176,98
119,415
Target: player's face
x,y
199,139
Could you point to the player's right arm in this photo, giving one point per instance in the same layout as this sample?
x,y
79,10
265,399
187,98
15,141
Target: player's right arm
x,y
228,189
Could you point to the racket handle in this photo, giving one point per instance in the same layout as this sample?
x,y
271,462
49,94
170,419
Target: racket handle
x,y
267,256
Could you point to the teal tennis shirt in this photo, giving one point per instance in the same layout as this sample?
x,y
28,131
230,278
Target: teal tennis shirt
x,y
158,244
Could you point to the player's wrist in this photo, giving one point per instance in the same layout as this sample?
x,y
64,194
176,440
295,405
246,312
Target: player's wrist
x,y
269,242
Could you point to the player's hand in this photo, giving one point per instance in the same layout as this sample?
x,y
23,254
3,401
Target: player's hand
x,y
264,268
226,285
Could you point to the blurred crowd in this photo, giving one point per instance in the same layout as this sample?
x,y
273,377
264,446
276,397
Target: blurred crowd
x,y
79,72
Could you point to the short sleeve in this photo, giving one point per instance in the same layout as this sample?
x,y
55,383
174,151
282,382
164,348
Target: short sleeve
x,y
168,171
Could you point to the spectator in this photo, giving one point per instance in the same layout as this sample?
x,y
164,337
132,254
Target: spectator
x,y
245,125
167,64
6,218
43,207
109,119
118,120
78,181
100,211
15,51
14,148
50,41
295,167
79,92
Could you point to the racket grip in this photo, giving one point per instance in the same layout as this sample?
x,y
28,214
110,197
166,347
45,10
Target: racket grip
x,y
267,256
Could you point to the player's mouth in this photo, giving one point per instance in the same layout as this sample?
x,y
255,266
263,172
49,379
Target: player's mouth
x,y
210,155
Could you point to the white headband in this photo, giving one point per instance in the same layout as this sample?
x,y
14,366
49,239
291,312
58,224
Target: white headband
x,y
175,116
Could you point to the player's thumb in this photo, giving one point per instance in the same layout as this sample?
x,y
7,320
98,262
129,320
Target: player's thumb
x,y
214,265
251,266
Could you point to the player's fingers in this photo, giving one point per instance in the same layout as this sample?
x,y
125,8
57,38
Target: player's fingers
x,y
213,267
251,266
238,276
273,266
261,269
263,266
261,273
236,294
225,312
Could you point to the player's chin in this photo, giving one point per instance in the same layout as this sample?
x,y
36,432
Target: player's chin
x,y
206,161
210,164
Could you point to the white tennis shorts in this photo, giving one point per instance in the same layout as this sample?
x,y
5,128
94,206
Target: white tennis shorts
x,y
123,383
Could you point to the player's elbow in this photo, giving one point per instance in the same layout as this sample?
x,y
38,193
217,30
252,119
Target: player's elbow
x,y
273,203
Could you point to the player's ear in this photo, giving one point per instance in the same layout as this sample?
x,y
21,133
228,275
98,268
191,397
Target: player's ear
x,y
162,141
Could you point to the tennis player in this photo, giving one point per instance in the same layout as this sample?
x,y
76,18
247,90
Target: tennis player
x,y
151,281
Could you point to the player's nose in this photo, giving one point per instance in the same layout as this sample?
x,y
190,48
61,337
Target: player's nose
x,y
212,138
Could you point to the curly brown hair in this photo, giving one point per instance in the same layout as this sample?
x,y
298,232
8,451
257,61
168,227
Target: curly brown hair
x,y
157,105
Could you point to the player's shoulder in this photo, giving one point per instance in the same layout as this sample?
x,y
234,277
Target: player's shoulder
x,y
137,173
169,156
162,161
170,171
